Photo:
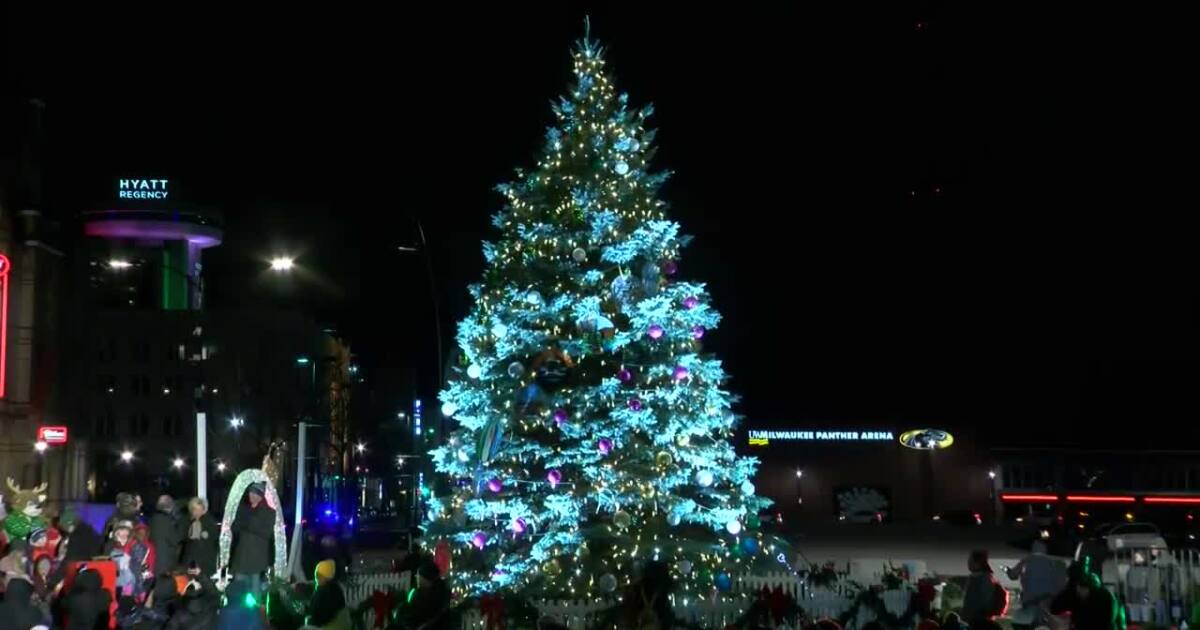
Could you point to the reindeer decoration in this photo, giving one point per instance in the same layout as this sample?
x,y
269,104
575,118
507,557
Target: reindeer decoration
x,y
26,514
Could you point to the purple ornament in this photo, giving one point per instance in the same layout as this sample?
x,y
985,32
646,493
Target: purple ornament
x,y
554,477
624,375
518,526
494,485
670,267
635,405
479,540
680,372
605,445
698,332
655,331
691,302
560,416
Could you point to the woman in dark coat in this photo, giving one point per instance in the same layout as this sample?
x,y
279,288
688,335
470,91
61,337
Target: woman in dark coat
x,y
200,537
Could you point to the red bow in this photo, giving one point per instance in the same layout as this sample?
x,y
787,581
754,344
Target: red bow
x,y
382,603
492,608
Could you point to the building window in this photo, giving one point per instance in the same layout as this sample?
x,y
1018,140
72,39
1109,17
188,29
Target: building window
x,y
139,425
172,425
105,427
140,350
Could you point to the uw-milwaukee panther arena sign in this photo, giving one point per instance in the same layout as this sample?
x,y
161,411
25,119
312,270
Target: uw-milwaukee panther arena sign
x,y
763,438
142,189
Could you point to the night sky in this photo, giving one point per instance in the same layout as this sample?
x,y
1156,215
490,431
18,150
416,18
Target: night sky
x,y
911,216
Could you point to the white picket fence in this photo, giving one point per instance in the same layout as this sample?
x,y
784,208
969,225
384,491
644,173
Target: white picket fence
x,y
1157,586
582,614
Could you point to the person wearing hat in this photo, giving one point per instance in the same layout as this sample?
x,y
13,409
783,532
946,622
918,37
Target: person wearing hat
x,y
129,555
328,609
430,604
80,540
253,539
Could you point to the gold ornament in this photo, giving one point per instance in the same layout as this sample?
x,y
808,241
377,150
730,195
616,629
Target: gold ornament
x,y
622,519
663,459
551,567
269,468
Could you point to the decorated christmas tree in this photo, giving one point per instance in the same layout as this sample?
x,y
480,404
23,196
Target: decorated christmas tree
x,y
592,432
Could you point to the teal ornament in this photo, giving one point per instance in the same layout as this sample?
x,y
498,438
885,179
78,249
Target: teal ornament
x,y
621,168
747,487
750,545
490,441
674,519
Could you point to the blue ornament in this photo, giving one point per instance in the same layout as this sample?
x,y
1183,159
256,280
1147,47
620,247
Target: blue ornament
x,y
567,106
624,143
723,581
750,544
532,393
585,84
621,168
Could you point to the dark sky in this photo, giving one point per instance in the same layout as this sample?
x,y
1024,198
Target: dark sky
x,y
926,213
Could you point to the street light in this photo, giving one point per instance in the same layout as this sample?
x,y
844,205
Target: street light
x,y
220,467
40,446
799,473
236,422
117,263
178,463
282,263
127,456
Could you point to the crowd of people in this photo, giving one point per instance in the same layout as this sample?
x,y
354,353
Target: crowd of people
x,y
156,571
154,568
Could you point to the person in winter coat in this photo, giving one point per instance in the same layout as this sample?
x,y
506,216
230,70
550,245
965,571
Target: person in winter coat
x,y
431,602
130,556
141,533
17,610
80,542
200,537
328,608
164,534
984,598
86,605
197,606
1090,605
253,538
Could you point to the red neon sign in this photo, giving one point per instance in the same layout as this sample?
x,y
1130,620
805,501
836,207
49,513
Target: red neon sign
x,y
1029,498
1173,500
52,435
5,267
1088,498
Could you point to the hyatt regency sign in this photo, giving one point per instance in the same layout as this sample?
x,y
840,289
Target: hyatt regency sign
x,y
763,438
142,189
